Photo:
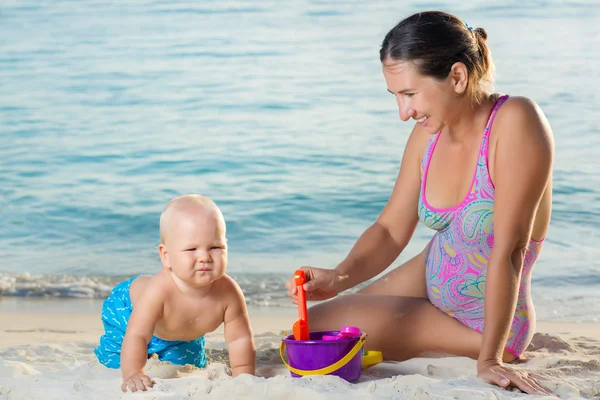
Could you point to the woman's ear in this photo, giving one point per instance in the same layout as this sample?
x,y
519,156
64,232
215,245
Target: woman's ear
x,y
459,77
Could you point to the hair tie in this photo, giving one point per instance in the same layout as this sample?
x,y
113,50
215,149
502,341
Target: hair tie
x,y
469,27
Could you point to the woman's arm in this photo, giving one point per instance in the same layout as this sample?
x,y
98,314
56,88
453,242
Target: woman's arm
x,y
523,164
383,241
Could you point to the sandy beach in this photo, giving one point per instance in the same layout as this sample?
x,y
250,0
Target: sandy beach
x,y
48,355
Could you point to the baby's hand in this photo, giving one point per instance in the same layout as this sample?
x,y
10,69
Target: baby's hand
x,y
137,382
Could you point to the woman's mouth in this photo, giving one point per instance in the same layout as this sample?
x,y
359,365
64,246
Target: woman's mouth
x,y
423,119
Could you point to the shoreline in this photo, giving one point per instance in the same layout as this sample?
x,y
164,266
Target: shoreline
x,y
19,328
80,320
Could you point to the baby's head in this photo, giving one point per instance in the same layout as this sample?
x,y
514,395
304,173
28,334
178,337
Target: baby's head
x,y
193,243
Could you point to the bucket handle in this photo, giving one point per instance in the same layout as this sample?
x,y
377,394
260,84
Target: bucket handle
x,y
333,367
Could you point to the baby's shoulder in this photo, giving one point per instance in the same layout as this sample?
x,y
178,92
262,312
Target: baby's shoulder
x,y
148,292
228,290
228,285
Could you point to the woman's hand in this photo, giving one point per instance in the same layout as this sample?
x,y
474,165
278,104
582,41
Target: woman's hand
x,y
321,284
495,372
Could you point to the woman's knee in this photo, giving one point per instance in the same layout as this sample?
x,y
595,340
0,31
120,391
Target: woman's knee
x,y
407,280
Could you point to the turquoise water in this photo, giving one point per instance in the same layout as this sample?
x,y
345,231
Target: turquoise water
x,y
279,113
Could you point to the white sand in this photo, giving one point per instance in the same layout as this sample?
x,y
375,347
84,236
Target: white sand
x,y
48,355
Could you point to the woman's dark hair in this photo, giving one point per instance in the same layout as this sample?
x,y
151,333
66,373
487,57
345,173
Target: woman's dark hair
x,y
434,41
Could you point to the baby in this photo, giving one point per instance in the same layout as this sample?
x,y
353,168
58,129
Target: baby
x,y
169,313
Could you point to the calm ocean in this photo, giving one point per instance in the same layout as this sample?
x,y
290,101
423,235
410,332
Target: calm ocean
x,y
276,110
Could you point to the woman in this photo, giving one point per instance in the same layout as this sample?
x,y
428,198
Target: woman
x,y
477,169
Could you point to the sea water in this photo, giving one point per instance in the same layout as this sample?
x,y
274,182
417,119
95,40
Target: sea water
x,y
276,110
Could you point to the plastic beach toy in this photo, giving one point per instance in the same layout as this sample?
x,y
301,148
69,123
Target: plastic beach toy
x,y
345,332
300,328
370,357
338,353
341,356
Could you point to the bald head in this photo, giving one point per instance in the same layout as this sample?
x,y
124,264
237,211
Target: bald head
x,y
186,206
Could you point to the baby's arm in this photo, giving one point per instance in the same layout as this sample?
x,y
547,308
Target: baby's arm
x,y
238,333
140,328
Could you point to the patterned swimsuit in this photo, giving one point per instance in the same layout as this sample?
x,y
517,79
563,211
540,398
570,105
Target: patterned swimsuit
x,y
458,254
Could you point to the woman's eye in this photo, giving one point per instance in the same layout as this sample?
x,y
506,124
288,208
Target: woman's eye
x,y
191,250
409,94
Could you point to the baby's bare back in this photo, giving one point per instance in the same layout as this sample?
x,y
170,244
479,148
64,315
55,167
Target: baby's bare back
x,y
184,316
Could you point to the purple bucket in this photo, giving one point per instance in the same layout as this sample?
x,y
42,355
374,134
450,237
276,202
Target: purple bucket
x,y
316,354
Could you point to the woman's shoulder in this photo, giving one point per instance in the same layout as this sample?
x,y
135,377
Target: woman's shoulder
x,y
519,108
520,114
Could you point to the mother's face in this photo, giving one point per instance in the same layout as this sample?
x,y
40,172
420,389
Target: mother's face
x,y
423,98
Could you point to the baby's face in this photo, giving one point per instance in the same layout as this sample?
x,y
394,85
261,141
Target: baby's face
x,y
196,244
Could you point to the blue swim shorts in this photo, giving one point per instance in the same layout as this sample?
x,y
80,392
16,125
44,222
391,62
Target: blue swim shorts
x,y
116,311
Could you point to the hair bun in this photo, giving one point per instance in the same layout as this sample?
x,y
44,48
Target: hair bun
x,y
481,32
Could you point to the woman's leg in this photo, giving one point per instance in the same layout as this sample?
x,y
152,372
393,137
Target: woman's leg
x,y
401,327
398,318
406,280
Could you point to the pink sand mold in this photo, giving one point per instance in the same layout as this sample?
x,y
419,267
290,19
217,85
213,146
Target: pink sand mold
x,y
346,332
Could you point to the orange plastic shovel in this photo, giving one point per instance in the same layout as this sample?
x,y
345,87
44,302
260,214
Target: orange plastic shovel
x,y
300,328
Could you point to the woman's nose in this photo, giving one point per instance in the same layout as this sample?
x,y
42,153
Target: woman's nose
x,y
405,112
